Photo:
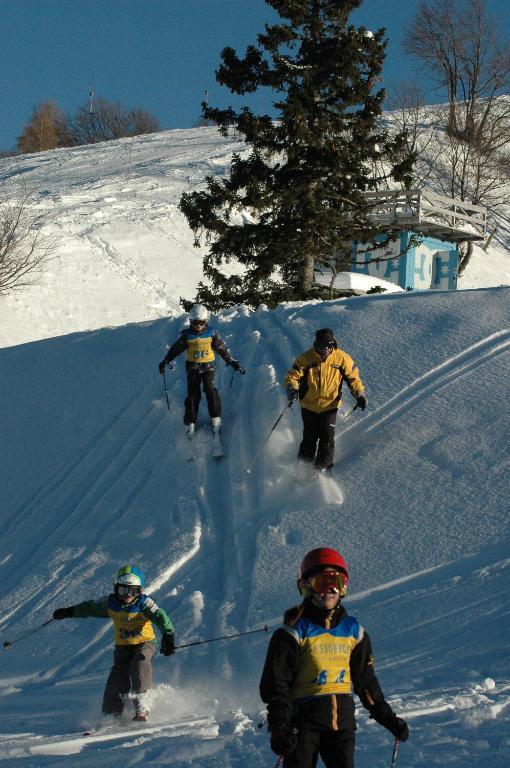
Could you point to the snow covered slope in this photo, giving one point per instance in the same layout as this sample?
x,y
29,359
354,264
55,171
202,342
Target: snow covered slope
x,y
124,251
95,474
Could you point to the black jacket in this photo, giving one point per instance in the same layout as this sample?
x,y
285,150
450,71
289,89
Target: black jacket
x,y
325,712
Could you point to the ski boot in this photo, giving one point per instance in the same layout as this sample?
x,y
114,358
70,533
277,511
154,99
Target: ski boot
x,y
216,424
190,430
141,709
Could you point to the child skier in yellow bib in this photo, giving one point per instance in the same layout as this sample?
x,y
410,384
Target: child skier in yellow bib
x,y
313,663
132,614
200,342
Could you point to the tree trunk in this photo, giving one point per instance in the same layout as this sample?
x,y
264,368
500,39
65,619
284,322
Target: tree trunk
x,y
465,253
305,271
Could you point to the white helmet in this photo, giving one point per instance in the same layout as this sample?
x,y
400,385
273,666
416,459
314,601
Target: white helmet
x,y
199,312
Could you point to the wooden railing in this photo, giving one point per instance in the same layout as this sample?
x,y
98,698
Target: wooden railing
x,y
417,208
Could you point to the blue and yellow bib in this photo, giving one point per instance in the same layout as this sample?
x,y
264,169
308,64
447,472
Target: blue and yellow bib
x,y
130,625
324,657
199,348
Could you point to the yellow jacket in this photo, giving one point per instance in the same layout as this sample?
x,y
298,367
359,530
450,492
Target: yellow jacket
x,y
320,382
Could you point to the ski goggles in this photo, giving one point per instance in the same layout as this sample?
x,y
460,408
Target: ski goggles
x,y
126,590
198,323
327,346
327,581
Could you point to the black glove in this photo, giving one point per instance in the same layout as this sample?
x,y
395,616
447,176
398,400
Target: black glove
x,y
292,394
397,727
162,366
63,613
168,645
362,402
236,366
284,740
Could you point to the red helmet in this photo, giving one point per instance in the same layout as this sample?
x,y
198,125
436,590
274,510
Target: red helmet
x,y
319,558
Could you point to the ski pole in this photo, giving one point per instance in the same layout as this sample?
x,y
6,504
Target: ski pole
x,y
348,415
240,370
10,643
164,384
289,405
166,391
394,753
224,637
278,762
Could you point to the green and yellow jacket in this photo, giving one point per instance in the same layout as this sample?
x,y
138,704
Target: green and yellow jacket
x,y
132,623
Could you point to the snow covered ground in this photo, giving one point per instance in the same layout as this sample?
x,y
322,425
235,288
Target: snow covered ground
x,y
124,251
95,473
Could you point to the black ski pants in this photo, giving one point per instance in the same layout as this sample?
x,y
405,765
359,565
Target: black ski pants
x,y
336,749
131,672
201,374
318,437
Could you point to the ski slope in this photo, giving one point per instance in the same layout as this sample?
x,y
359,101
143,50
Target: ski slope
x,y
95,473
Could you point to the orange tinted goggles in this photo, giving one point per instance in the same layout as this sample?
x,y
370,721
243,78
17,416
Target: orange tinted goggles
x,y
328,581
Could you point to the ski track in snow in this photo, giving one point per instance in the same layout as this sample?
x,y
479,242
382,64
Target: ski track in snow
x,y
130,270
428,384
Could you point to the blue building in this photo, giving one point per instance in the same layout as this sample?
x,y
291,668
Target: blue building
x,y
425,230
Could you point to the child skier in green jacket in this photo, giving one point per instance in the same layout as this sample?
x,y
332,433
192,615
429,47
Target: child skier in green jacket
x,y
132,613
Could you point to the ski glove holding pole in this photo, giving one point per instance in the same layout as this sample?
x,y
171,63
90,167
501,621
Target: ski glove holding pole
x,y
163,364
168,644
63,613
398,727
362,402
236,366
292,394
284,740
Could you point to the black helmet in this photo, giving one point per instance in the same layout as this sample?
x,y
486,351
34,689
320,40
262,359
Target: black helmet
x,y
324,340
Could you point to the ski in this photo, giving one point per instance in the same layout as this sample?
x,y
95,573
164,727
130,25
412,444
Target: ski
x,y
125,730
218,449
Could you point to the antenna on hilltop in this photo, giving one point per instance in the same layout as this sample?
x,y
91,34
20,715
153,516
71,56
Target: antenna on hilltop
x,y
92,117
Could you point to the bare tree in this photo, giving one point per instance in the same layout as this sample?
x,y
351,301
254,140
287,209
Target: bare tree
x,y
110,120
462,50
23,247
46,129
141,122
419,125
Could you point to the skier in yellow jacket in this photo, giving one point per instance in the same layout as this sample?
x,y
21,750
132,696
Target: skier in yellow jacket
x,y
316,378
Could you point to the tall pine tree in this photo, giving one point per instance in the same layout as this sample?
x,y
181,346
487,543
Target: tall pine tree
x,y
297,195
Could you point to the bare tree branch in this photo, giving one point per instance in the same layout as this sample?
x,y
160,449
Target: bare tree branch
x,y
24,249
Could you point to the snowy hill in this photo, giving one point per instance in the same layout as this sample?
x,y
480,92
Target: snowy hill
x,y
95,474
124,251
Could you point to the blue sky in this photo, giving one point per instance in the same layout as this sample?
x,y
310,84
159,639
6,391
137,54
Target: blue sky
x,y
157,54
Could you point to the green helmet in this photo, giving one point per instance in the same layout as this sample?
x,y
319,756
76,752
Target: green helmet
x,y
129,575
